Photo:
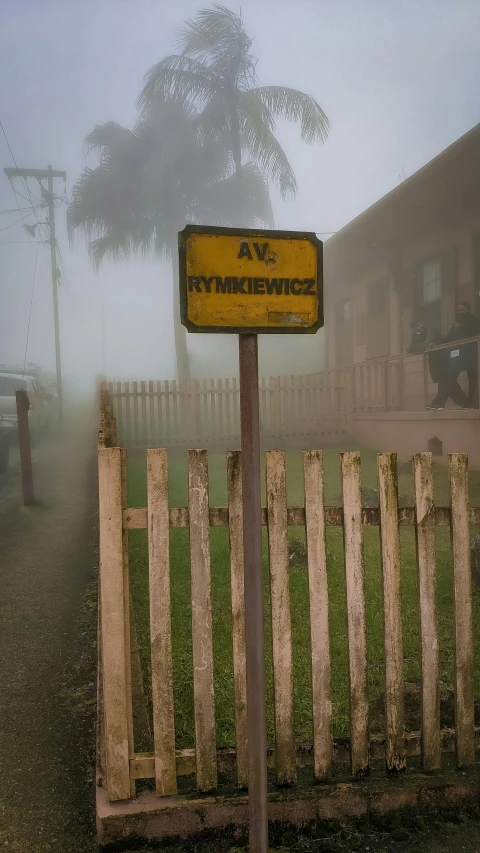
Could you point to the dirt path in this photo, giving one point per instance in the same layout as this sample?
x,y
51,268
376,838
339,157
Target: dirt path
x,y
47,630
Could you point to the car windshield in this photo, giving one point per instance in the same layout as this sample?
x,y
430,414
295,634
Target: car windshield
x,y
10,384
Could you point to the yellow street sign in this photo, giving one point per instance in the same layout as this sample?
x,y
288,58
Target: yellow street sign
x,y
234,280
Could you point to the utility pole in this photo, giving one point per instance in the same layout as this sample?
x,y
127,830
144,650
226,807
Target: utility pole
x,y
49,174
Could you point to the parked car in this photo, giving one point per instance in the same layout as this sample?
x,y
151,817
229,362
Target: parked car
x,y
49,393
4,446
38,415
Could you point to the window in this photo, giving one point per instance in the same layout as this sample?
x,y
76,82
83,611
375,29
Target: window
x,y
431,281
10,384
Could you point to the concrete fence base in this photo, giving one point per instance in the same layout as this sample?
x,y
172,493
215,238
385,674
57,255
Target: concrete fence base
x,y
150,817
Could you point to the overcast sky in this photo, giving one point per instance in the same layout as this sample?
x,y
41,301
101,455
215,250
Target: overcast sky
x,y
399,80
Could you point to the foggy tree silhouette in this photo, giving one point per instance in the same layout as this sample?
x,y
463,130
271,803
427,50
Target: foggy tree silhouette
x,y
215,73
151,181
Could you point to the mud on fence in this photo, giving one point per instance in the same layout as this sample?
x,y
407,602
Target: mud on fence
x,y
166,764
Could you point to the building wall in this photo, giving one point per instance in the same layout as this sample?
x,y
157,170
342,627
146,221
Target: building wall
x,y
418,251
386,433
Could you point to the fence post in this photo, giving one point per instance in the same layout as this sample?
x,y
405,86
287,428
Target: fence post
x,y
318,603
392,609
23,405
204,701
113,621
427,595
462,593
356,623
160,623
281,618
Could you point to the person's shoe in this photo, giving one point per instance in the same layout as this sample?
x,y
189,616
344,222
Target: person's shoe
x,y
435,408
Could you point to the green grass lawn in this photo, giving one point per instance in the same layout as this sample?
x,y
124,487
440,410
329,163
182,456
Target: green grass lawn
x,y
222,638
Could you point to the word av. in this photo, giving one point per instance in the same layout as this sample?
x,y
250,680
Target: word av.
x,y
253,286
246,252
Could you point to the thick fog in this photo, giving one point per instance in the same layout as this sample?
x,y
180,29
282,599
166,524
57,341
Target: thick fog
x,y
398,81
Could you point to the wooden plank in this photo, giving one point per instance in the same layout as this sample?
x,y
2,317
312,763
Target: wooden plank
x,y
427,595
221,407
202,621
128,413
114,652
143,425
228,410
160,623
168,427
281,619
392,612
462,585
128,613
318,597
235,516
136,437
120,414
356,630
236,407
135,518
142,765
151,412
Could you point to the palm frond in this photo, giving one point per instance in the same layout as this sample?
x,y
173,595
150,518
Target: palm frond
x,y
295,106
179,78
242,199
269,155
211,33
107,137
217,38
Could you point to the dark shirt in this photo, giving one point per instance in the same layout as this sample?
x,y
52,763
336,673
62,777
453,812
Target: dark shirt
x,y
464,357
437,361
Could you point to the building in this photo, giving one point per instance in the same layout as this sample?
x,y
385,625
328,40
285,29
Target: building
x,y
416,251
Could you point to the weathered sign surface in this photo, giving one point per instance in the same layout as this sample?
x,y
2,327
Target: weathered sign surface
x,y
235,280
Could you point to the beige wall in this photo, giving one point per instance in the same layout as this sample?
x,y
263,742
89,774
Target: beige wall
x,y
421,249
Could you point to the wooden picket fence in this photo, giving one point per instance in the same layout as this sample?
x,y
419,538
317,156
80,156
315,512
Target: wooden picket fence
x,y
158,413
122,765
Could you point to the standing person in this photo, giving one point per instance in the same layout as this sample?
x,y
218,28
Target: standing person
x,y
462,358
425,336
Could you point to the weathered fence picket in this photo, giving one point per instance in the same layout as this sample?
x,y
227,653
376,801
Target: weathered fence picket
x,y
356,630
205,747
113,625
427,594
281,619
235,524
392,610
318,598
160,622
462,587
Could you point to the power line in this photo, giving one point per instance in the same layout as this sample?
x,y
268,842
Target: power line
x,y
23,218
14,210
29,199
31,304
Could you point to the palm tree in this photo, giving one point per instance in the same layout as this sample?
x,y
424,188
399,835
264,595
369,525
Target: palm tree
x,y
151,181
215,73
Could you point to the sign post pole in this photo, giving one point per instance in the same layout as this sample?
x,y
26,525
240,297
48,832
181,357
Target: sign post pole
x,y
249,282
253,580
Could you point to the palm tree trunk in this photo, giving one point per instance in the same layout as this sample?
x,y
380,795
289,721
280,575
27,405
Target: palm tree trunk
x,y
180,337
236,141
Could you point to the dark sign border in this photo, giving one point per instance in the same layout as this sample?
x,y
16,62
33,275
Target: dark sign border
x,y
247,232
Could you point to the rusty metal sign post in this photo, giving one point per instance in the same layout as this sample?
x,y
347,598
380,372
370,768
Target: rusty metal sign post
x,y
24,446
249,282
